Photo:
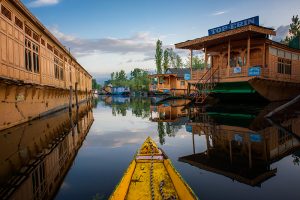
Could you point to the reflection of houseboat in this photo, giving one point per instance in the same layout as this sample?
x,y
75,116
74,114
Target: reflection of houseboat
x,y
243,151
242,62
107,89
170,111
38,155
125,91
172,82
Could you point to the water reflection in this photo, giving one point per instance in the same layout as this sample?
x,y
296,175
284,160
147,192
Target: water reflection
x,y
120,105
36,156
240,143
242,146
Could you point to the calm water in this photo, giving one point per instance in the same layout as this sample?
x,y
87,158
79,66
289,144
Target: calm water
x,y
223,152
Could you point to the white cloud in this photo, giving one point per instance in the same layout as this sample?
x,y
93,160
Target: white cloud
x,y
40,3
141,42
219,12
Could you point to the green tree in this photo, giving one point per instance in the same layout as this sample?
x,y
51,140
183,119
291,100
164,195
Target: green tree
x,y
95,85
159,56
178,61
166,60
172,56
198,63
139,80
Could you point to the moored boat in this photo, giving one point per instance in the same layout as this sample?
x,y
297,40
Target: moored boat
x,y
151,175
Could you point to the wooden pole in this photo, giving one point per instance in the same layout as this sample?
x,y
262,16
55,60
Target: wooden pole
x,y
205,58
70,99
193,143
248,51
264,56
228,58
191,64
76,94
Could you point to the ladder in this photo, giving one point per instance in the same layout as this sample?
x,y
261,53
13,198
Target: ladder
x,y
205,85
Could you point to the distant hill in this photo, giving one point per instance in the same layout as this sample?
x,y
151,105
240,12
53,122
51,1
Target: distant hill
x,y
281,33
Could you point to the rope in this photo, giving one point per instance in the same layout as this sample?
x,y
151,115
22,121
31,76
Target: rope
x,y
151,173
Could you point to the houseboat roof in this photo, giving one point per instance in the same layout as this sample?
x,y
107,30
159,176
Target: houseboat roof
x,y
238,33
28,14
177,72
180,72
213,163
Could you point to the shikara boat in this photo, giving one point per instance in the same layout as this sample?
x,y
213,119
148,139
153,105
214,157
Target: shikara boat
x,y
151,176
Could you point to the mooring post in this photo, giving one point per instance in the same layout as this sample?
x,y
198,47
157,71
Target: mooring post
x,y
70,99
76,94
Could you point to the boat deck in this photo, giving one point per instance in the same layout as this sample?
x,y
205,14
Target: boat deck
x,y
139,187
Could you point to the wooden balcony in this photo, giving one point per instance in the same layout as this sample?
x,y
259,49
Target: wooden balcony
x,y
229,75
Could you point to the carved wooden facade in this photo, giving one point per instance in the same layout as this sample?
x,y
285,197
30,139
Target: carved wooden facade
x,y
31,54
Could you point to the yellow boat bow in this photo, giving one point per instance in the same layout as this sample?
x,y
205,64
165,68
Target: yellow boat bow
x,y
151,176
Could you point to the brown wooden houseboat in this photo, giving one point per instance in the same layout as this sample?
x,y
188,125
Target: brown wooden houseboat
x,y
38,75
243,62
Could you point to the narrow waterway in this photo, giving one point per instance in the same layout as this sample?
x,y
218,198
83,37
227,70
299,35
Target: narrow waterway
x,y
222,152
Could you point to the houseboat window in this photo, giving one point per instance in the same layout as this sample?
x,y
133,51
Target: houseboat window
x,y
38,181
161,80
5,12
31,56
182,83
240,61
233,60
61,74
58,69
28,59
36,65
19,23
284,66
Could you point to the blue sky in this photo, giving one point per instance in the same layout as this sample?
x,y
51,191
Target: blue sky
x,y
109,35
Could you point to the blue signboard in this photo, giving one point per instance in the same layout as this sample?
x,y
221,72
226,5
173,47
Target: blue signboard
x,y
238,138
166,91
254,71
188,128
187,77
234,25
237,70
255,137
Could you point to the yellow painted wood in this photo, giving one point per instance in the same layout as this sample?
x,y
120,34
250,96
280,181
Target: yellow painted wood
x,y
140,183
135,183
121,190
182,188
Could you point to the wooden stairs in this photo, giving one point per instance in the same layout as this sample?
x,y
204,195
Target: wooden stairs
x,y
206,84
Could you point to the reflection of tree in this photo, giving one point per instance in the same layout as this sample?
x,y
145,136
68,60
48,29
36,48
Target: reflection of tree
x,y
95,102
119,109
140,107
161,132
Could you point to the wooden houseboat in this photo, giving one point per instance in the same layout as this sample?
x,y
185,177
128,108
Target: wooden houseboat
x,y
38,75
241,61
172,82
